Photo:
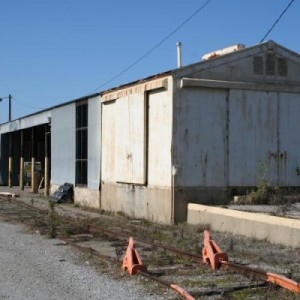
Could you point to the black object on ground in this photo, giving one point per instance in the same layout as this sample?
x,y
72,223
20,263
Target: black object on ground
x,y
63,194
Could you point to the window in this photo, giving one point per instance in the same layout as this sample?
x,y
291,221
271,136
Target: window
x,y
81,143
258,67
282,67
270,64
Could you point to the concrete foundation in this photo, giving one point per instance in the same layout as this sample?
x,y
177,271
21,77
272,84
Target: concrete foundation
x,y
83,196
153,204
259,226
87,197
199,195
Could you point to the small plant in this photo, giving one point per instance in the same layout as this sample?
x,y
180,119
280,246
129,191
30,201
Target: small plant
x,y
52,221
298,171
119,252
264,189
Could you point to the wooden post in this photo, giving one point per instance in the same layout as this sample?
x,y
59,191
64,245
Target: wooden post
x,y
22,173
46,179
10,172
33,175
10,162
46,175
22,162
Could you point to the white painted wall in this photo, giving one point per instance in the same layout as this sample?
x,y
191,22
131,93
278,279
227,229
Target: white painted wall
x,y
124,139
63,145
160,138
108,143
130,139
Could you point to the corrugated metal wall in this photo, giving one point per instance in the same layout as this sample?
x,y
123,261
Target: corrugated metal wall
x,y
201,138
252,135
262,133
235,138
63,145
94,142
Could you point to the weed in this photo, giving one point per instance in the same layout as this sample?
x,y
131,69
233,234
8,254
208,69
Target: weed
x,y
53,220
121,214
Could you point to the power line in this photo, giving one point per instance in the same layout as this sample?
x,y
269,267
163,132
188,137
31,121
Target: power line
x,y
154,47
26,105
275,23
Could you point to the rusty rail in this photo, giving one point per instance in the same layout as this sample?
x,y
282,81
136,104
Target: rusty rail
x,y
193,256
216,258
274,278
180,291
213,255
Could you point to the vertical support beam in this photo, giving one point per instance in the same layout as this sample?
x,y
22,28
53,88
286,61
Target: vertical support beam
x,y
46,179
22,162
10,161
33,175
9,107
46,175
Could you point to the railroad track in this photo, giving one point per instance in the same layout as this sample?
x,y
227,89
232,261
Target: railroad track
x,y
186,273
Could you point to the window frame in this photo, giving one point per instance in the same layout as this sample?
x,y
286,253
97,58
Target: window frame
x,y
81,156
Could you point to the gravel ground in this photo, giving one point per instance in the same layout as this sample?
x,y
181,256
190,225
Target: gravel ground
x,y
32,267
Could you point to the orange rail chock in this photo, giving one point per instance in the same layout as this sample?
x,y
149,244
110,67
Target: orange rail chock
x,y
212,253
132,261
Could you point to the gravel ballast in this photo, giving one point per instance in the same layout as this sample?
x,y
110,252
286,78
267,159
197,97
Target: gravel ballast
x,y
33,267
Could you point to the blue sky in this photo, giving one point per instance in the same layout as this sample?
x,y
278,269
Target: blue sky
x,y
54,51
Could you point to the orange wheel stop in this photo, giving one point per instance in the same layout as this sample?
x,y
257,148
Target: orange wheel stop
x,y
212,253
132,261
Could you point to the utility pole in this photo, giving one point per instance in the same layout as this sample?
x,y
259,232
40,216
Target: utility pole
x,y
9,107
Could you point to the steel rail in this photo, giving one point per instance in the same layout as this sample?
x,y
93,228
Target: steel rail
x,y
193,256
269,277
30,207
179,290
94,252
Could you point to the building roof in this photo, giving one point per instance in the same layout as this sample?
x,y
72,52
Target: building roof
x,y
209,63
55,106
177,72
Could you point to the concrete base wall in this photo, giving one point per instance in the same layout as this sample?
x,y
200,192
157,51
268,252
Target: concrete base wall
x,y
83,196
53,188
200,195
259,226
87,198
151,203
